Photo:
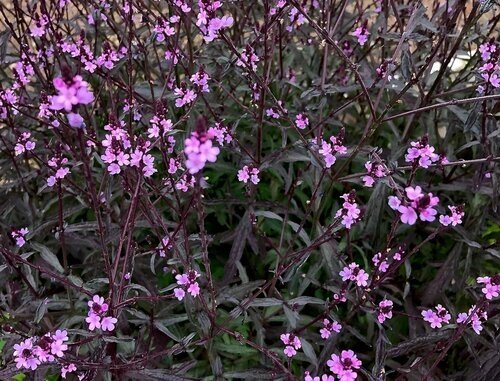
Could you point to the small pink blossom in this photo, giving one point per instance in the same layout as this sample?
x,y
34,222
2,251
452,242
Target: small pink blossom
x,y
108,323
94,321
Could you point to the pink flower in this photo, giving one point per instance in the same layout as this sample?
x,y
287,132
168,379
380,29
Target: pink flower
x,y
194,289
394,202
179,293
60,335
57,348
94,321
108,323
408,215
75,119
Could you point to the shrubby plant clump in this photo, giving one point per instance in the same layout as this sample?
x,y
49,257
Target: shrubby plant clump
x,y
257,190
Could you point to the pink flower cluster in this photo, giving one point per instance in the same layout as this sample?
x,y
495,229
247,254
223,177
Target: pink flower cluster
x,y
422,154
18,235
8,101
188,284
208,23
163,28
345,365
301,121
385,69
355,274
109,57
186,182
69,368
249,173
296,19
34,351
184,95
221,133
475,316
200,79
23,71
199,150
491,287
329,327
361,33
37,28
438,317
119,152
164,246
71,93
159,125
375,170
384,310
279,5
292,344
248,59
490,70
57,163
457,213
97,315
275,112
416,205
328,150
24,144
349,212
380,260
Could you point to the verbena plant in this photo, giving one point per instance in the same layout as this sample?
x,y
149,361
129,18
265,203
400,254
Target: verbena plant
x,y
259,190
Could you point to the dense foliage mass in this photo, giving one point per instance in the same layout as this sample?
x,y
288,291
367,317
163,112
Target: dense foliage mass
x,y
257,190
